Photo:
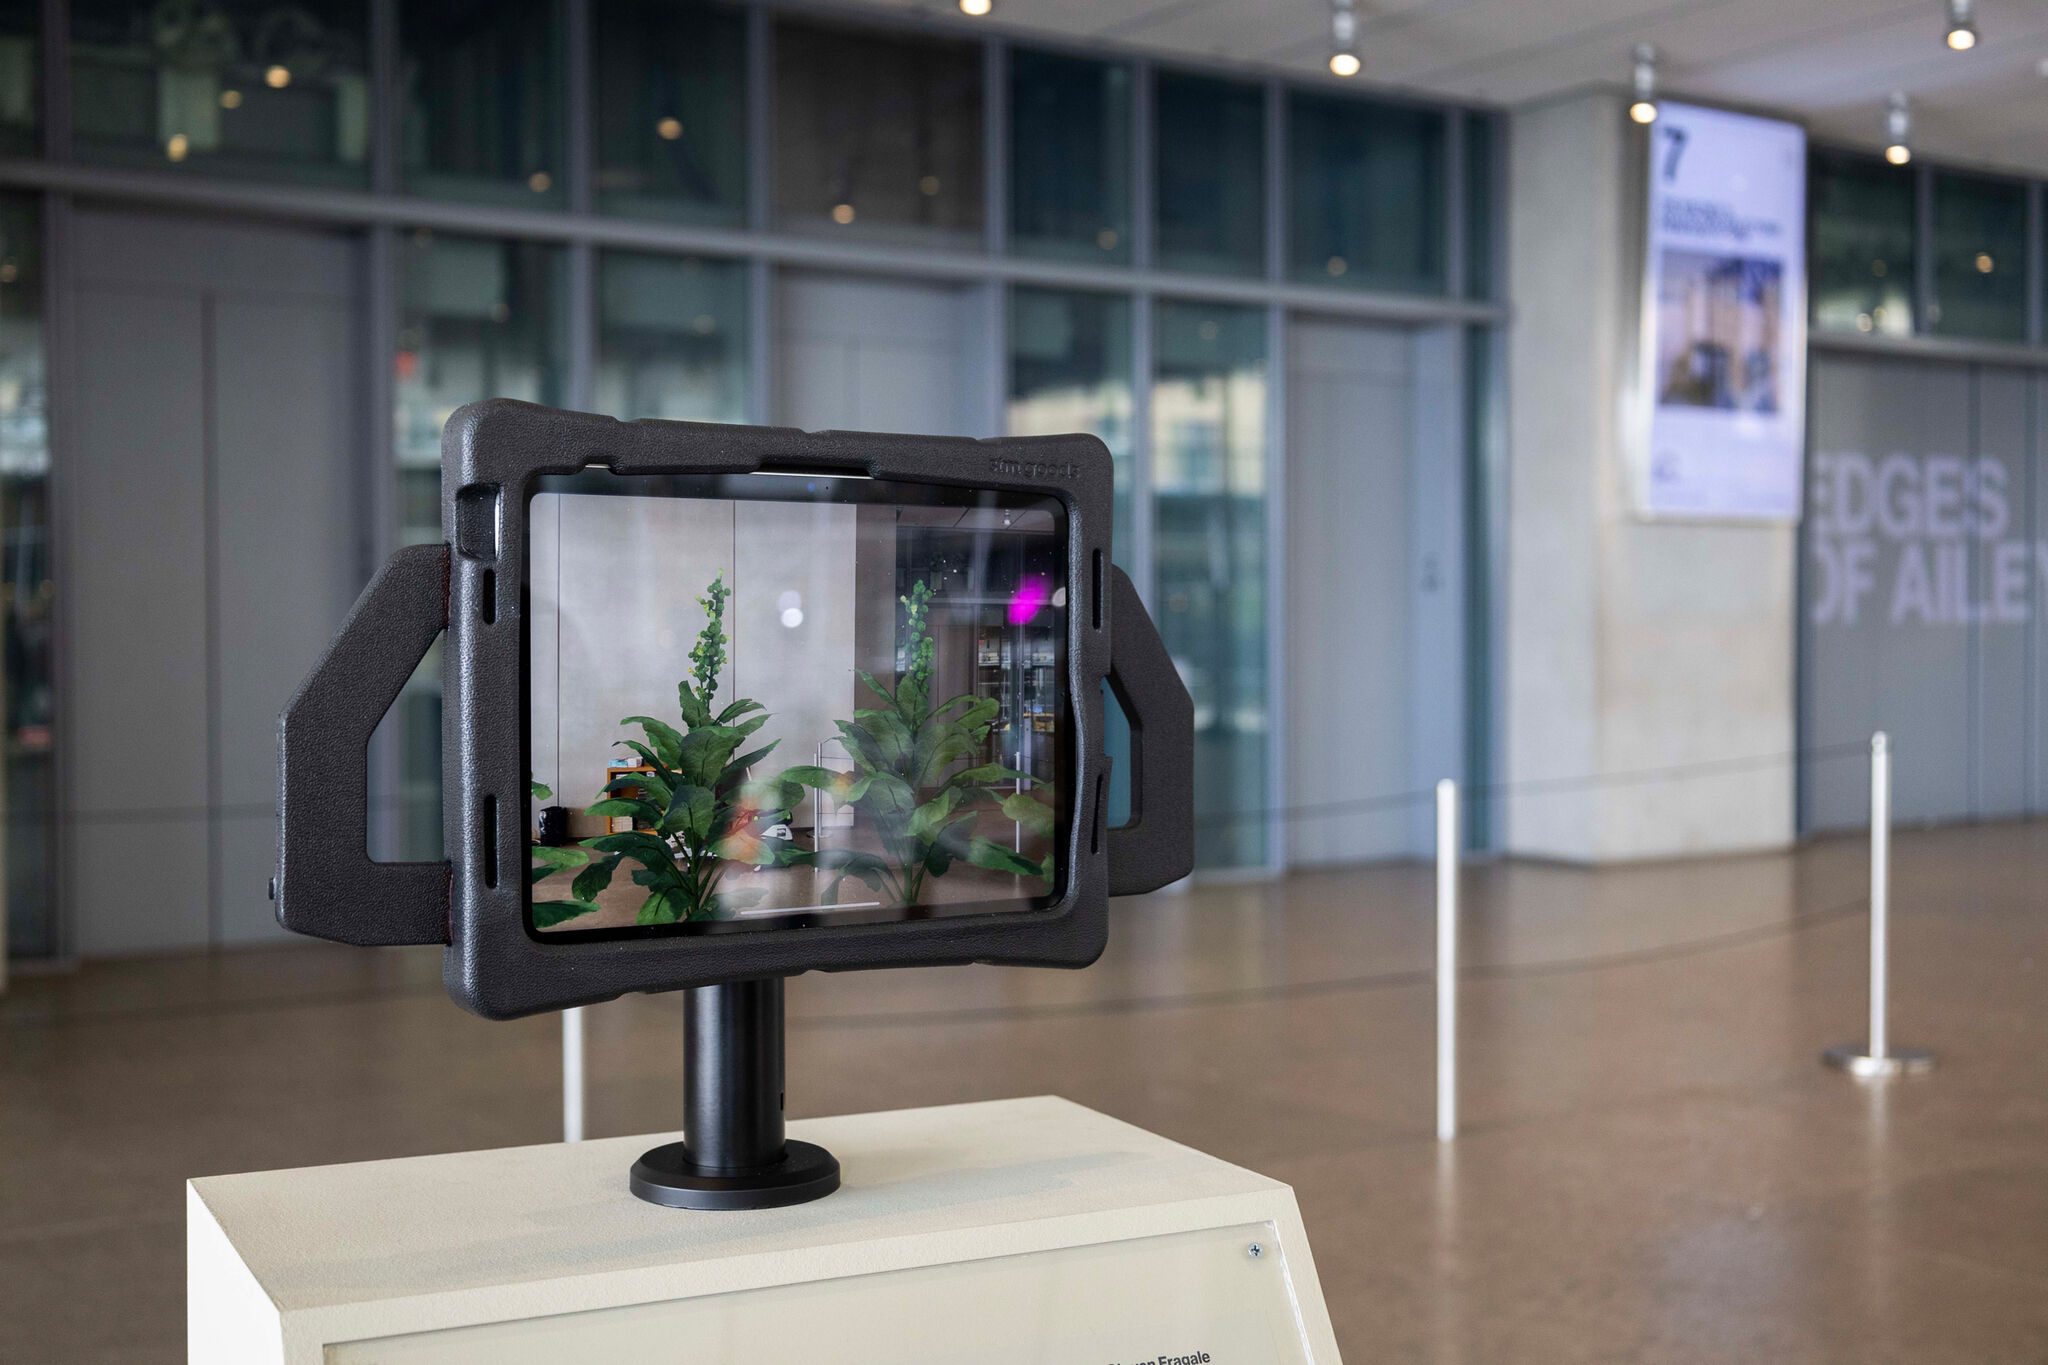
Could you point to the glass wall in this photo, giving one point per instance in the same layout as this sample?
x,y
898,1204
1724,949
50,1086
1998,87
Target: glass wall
x,y
1980,258
672,337
878,135
1070,370
1070,157
671,110
28,611
479,319
1365,194
1861,224
20,71
1210,174
1209,508
235,87
483,100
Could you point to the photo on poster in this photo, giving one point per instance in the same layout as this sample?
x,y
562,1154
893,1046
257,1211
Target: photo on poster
x,y
1718,330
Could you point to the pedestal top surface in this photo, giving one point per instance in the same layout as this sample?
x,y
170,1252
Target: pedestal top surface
x,y
377,1230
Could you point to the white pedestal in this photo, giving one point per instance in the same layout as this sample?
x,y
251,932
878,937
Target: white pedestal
x,y
1017,1232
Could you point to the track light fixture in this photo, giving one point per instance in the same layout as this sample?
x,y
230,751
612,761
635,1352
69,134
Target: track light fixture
x,y
1343,38
1962,25
1898,131
1644,107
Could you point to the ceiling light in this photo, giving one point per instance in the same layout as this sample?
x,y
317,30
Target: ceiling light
x,y
1962,25
1343,38
1898,131
230,99
177,146
278,77
842,214
669,129
1643,109
977,8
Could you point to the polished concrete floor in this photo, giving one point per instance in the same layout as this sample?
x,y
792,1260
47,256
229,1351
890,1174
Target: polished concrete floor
x,y
1655,1167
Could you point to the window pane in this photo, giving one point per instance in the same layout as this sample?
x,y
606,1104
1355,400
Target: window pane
x,y
1211,175
1209,504
1862,244
1070,157
671,111
483,100
480,319
1070,370
1365,194
236,87
20,69
672,338
877,135
1482,139
29,610
1980,259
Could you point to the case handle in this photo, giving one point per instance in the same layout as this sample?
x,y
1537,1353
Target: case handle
x,y
1158,845
327,884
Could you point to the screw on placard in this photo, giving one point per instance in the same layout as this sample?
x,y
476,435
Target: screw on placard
x,y
1255,1251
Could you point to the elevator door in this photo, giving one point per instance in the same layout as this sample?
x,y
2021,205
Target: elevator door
x,y
871,354
1374,591
210,540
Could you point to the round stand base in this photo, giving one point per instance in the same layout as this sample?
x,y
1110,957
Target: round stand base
x,y
1857,1061
667,1175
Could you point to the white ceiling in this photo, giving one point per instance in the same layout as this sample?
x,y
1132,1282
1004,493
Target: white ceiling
x,y
1832,63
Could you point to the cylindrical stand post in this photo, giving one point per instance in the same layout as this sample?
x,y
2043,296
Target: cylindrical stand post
x,y
572,1074
733,1154
1446,960
1879,1058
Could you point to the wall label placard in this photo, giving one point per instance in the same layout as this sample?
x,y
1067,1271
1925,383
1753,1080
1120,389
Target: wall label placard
x,y
1723,403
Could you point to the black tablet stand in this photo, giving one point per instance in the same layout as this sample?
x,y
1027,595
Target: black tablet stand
x,y
733,1154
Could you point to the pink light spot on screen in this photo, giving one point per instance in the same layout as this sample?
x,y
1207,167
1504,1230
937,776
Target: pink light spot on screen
x,y
1031,595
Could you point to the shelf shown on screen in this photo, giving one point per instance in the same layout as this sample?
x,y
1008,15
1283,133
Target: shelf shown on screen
x,y
776,701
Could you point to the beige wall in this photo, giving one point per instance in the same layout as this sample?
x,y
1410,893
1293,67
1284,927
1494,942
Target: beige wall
x,y
1631,646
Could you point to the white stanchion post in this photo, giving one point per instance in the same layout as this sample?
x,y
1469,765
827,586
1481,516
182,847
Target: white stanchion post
x,y
1446,960
572,1075
1878,1057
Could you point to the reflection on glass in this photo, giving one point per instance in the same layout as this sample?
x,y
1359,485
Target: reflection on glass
x,y
233,87
1861,215
1980,258
1070,370
1070,157
1482,139
877,135
672,338
1365,186
671,110
20,76
479,319
483,100
1210,175
29,610
768,701
1209,501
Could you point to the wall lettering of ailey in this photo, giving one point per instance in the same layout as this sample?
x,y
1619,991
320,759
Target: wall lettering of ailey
x,y
1917,540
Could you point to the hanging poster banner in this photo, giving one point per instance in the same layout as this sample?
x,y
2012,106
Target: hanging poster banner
x,y
1724,317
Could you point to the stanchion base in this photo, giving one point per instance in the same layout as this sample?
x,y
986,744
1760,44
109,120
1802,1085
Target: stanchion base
x,y
666,1175
1857,1061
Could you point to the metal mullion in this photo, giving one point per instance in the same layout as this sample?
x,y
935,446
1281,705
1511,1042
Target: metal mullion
x,y
995,230
387,97
1143,133
56,92
760,117
1276,585
1137,561
1456,222
761,341
379,340
1275,179
579,92
59,296
2034,263
1924,302
582,304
